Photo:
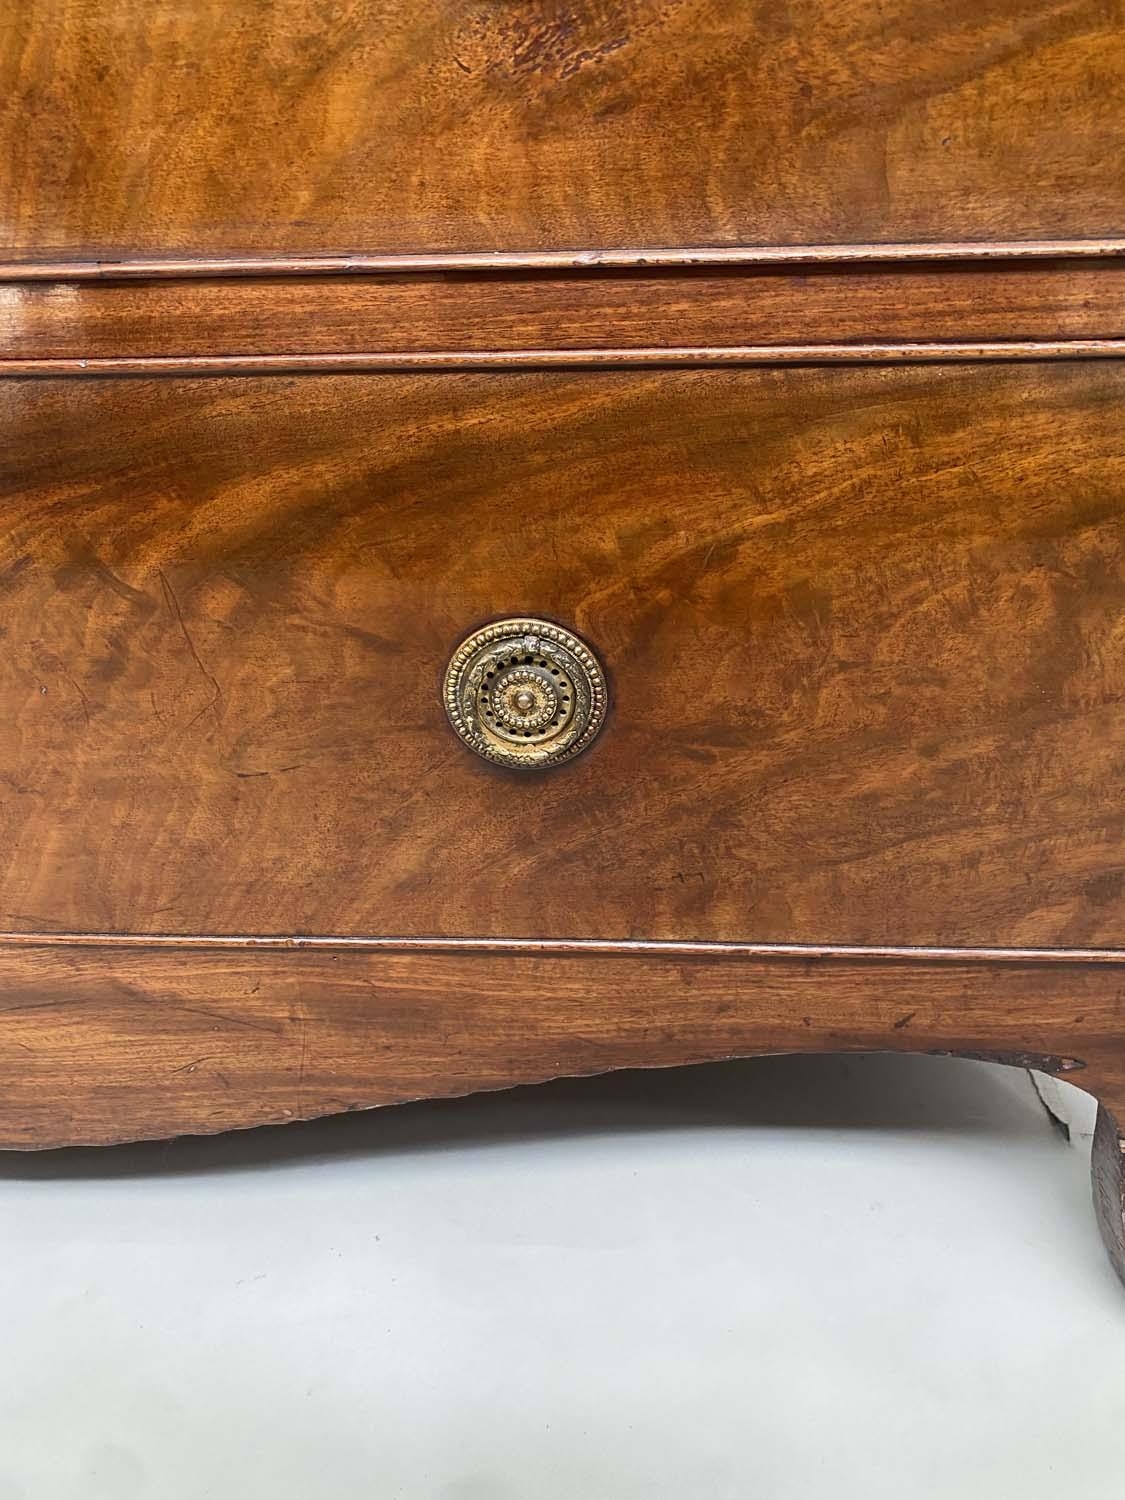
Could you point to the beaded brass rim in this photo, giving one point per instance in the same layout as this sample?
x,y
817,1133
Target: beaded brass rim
x,y
525,693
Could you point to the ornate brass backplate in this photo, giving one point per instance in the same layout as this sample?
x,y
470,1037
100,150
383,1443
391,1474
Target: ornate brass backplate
x,y
525,693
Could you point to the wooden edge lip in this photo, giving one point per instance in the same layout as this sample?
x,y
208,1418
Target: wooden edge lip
x,y
178,268
684,357
552,947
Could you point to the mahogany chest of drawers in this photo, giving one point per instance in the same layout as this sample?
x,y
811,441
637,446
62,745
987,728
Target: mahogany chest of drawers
x,y
550,537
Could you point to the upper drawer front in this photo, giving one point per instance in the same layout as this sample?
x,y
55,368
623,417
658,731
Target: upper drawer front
x,y
863,628
241,126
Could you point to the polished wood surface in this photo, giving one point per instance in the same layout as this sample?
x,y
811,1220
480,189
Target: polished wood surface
x,y
589,310
861,786
863,630
100,1045
202,126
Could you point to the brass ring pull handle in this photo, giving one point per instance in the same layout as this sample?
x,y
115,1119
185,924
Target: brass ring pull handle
x,y
525,693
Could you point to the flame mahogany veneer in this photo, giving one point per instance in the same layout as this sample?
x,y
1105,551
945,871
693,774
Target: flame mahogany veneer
x,y
776,351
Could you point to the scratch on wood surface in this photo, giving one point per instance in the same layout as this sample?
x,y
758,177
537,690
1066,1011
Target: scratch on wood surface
x,y
174,609
190,1067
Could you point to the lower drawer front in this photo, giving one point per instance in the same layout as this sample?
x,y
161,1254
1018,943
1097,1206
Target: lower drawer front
x,y
863,631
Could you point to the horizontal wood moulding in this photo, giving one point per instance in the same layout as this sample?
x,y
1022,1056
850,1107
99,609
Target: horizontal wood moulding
x,y
686,357
802,952
100,1045
690,314
500,262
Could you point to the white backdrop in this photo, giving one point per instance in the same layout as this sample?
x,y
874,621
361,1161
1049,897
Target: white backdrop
x,y
786,1279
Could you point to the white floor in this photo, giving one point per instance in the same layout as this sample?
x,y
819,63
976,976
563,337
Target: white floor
x,y
786,1280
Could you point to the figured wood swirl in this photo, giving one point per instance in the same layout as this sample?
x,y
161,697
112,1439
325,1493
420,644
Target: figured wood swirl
x,y
204,127
862,785
865,654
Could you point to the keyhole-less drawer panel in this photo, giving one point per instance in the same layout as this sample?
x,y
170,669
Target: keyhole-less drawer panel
x,y
861,629
409,125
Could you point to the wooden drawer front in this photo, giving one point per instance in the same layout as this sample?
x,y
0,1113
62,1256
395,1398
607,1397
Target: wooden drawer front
x,y
864,632
212,127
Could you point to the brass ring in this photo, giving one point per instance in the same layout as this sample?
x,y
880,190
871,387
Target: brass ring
x,y
525,693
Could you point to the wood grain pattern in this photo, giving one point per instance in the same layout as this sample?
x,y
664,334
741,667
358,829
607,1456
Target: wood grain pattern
x,y
864,633
1058,300
862,786
101,1045
205,126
